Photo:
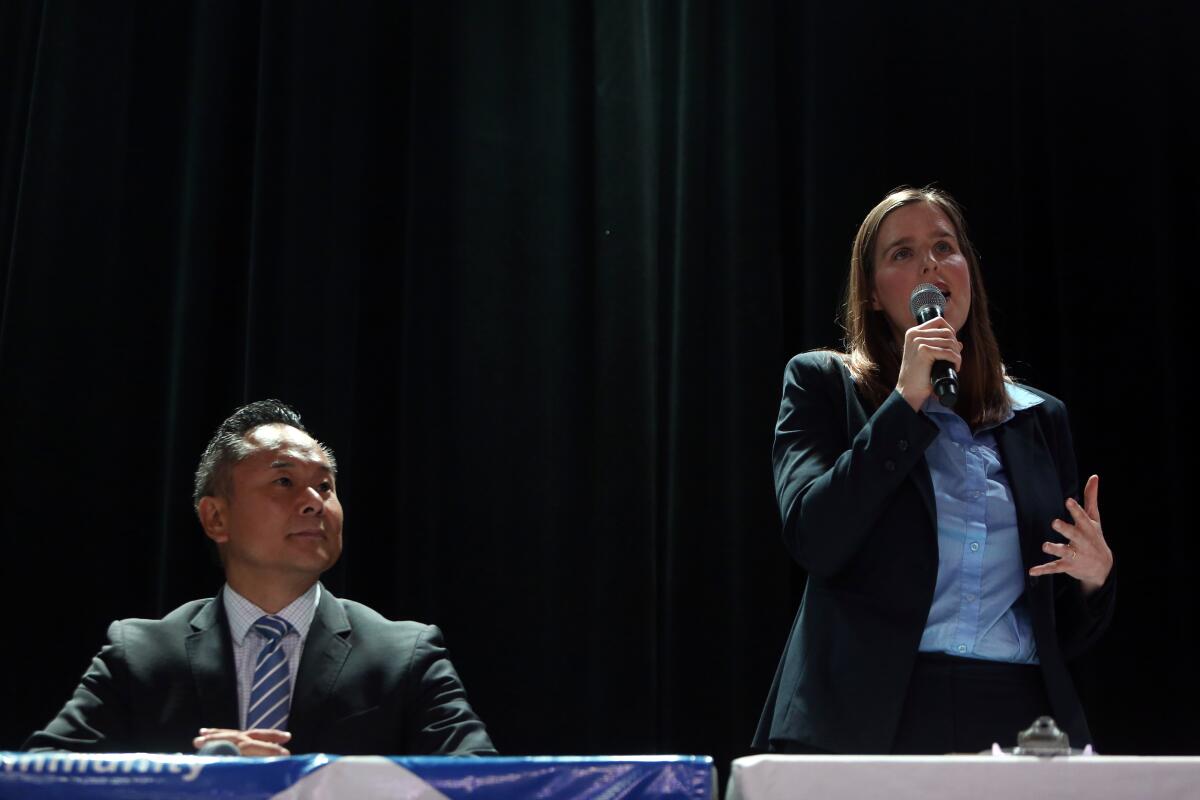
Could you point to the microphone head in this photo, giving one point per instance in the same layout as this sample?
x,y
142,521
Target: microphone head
x,y
926,295
219,747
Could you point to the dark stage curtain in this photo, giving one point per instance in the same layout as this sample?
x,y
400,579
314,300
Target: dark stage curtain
x,y
534,270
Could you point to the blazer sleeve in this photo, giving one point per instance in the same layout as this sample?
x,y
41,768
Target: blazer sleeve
x,y
95,718
441,721
1080,619
833,482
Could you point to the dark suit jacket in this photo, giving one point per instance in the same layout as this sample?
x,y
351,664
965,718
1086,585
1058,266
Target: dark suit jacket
x,y
365,685
859,515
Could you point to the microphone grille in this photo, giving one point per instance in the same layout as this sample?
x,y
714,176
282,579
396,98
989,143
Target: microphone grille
x,y
926,294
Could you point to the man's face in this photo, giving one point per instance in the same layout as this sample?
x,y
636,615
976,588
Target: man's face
x,y
282,517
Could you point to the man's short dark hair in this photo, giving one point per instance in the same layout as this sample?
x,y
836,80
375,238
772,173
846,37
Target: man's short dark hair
x,y
228,445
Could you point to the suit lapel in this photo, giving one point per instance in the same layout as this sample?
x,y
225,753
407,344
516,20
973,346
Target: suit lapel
x,y
210,655
1029,466
325,652
924,483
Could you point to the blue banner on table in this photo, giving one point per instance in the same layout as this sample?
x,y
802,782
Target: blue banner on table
x,y
49,776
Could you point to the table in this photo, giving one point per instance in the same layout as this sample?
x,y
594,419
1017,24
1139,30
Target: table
x,y
134,776
983,777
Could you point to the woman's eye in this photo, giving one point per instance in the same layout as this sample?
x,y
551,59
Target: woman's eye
x,y
901,254
943,247
284,481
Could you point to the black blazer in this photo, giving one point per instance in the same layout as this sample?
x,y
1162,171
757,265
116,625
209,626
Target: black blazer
x,y
859,515
365,685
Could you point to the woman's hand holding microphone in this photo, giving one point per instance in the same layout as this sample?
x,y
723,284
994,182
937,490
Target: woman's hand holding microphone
x,y
924,344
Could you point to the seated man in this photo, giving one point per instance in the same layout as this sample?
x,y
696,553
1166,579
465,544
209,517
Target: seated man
x,y
274,663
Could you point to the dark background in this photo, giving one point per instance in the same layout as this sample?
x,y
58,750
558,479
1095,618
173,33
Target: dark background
x,y
534,270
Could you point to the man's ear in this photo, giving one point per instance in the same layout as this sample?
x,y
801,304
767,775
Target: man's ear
x,y
214,518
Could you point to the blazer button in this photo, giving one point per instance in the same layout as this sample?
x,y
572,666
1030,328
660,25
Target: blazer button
x,y
889,465
902,444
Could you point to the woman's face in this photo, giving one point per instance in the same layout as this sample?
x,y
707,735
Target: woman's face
x,y
917,244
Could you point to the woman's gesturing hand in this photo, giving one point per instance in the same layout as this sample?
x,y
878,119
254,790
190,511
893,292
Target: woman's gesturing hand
x,y
924,344
1085,556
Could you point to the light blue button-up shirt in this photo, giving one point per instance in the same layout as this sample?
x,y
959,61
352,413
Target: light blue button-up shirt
x,y
979,609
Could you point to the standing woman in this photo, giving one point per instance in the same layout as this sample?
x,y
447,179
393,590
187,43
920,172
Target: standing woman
x,y
952,574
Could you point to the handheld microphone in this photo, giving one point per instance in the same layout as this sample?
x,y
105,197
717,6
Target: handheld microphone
x,y
927,302
219,747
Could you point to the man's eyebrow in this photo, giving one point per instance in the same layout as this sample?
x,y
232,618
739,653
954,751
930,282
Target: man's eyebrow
x,y
288,464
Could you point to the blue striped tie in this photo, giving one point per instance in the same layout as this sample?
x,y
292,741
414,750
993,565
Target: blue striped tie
x,y
270,693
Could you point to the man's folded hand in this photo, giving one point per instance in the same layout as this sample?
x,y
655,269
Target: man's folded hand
x,y
255,742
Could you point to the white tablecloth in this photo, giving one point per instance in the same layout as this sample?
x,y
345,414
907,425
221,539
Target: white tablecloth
x,y
971,777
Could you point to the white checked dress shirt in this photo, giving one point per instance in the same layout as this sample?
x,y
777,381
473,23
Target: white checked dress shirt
x,y
247,643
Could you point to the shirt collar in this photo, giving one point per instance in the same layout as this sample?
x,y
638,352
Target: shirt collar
x,y
1019,399
242,614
